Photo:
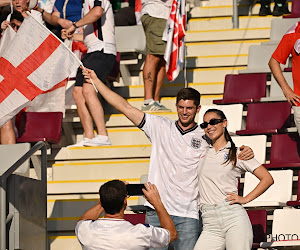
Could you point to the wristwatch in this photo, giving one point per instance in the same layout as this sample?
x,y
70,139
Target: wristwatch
x,y
74,24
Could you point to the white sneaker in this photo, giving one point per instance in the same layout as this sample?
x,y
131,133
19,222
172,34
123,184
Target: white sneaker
x,y
99,140
80,143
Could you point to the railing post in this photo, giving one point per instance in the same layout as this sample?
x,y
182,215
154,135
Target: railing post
x,y
235,16
2,218
39,145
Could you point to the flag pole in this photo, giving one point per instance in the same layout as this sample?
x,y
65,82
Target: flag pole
x,y
81,64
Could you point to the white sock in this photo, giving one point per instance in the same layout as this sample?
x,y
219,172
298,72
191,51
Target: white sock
x,y
146,102
103,137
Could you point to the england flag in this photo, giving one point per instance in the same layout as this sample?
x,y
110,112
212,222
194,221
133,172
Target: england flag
x,y
33,63
174,34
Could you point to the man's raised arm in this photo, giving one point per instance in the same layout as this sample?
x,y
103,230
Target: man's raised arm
x,y
115,100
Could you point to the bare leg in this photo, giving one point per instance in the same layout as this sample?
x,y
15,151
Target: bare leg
x,y
161,73
149,74
83,112
95,108
7,133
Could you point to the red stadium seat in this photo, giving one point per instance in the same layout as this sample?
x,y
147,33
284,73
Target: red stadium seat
x,y
296,203
135,218
40,126
243,88
295,13
285,151
267,118
258,220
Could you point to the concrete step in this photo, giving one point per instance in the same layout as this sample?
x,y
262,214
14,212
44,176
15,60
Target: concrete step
x,y
227,34
64,214
82,186
221,23
169,102
104,169
225,8
221,49
60,242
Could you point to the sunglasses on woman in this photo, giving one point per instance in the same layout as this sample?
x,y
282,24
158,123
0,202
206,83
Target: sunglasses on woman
x,y
211,122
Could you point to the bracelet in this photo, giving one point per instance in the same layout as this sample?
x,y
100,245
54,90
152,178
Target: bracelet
x,y
42,12
74,24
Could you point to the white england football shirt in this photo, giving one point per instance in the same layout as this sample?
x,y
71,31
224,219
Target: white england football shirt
x,y
100,34
157,8
107,234
216,179
173,163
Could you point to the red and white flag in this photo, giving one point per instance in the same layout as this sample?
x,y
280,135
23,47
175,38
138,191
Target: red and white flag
x,y
34,63
174,34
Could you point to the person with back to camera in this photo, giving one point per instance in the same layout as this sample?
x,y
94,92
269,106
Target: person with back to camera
x,y
225,222
113,232
176,147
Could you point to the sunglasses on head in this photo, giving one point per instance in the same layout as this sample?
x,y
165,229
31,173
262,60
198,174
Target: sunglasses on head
x,y
211,122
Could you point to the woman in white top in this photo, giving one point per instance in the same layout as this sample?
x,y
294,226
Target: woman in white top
x,y
225,222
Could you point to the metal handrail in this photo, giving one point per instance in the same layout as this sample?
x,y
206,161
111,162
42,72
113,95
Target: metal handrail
x,y
235,16
39,145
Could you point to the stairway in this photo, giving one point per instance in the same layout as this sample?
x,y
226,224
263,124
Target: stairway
x,y
214,49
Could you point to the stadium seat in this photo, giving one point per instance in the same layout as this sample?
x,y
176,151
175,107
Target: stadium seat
x,y
135,42
258,59
285,151
296,203
243,88
40,126
135,218
267,118
277,195
234,114
279,27
10,153
295,13
276,93
258,219
285,229
258,143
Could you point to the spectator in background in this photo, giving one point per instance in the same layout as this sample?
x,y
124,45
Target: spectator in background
x,y
154,18
64,13
7,132
281,8
289,44
99,38
126,16
113,232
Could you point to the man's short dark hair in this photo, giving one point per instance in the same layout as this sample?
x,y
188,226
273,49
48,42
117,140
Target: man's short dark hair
x,y
188,94
112,195
17,15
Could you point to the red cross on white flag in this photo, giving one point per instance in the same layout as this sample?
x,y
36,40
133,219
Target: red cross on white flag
x,y
174,35
35,61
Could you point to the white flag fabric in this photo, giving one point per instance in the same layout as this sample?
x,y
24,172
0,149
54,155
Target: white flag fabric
x,y
35,62
7,36
174,35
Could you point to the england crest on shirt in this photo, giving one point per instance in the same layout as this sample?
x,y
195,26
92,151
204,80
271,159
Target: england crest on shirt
x,y
196,143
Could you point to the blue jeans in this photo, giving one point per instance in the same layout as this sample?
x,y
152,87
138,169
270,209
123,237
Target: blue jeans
x,y
188,230
225,226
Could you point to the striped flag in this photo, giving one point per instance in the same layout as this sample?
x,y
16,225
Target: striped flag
x,y
34,63
174,34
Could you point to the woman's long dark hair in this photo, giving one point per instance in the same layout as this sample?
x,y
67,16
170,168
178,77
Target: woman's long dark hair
x,y
232,152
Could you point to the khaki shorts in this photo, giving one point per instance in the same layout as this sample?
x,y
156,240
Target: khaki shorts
x,y
154,29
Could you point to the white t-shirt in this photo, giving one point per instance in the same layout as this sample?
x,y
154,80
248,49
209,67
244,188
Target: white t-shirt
x,y
118,234
100,34
157,8
173,163
217,179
